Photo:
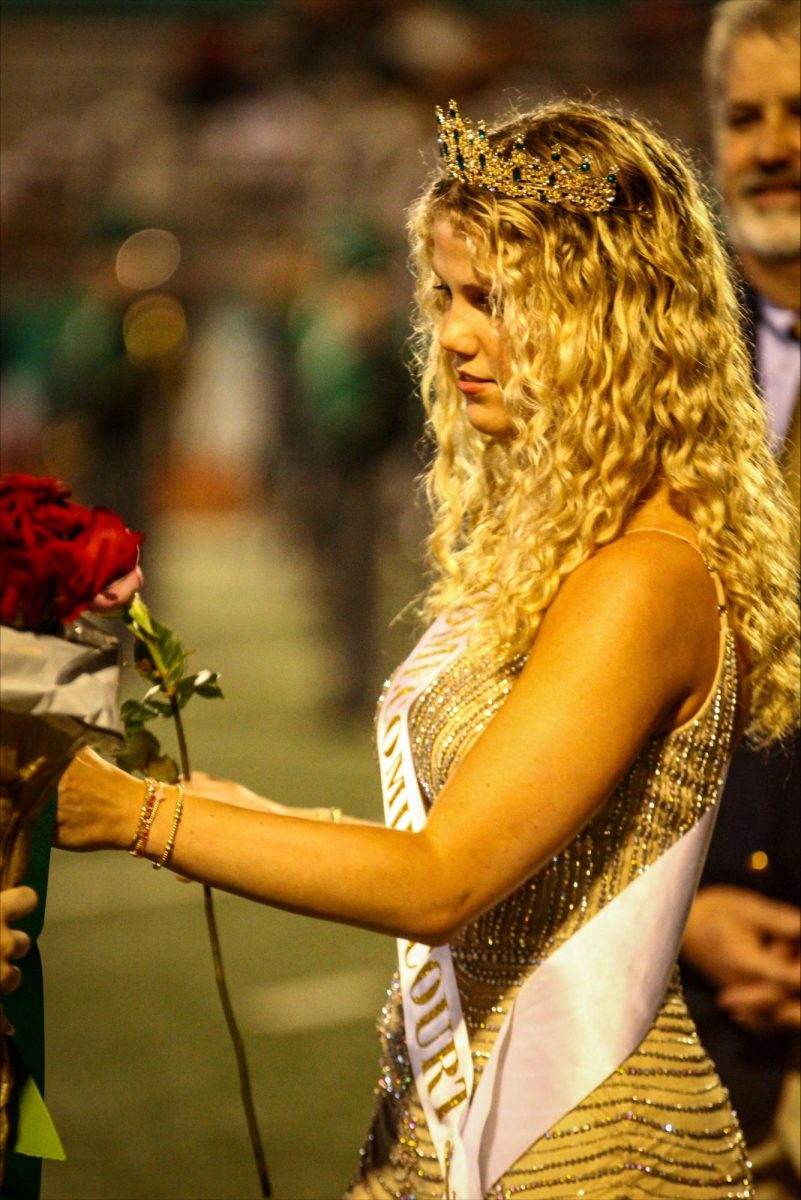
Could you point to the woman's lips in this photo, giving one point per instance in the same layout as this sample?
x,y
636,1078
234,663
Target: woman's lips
x,y
471,384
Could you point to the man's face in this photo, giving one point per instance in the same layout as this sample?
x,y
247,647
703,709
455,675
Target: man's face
x,y
759,147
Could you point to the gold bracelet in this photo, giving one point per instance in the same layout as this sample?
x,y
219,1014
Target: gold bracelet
x,y
147,815
179,804
329,814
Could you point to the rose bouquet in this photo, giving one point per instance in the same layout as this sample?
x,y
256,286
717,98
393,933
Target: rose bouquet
x,y
59,557
60,688
60,676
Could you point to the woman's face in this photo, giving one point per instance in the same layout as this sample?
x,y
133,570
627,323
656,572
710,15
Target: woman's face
x,y
474,340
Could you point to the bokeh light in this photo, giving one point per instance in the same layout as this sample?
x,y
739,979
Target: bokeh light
x,y
147,259
154,329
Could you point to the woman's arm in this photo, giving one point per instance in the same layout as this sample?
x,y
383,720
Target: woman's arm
x,y
629,646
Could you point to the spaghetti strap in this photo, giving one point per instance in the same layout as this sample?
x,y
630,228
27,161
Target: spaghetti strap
x,y
668,533
721,595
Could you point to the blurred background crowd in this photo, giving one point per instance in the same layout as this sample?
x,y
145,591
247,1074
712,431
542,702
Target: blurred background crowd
x,y
204,318
204,286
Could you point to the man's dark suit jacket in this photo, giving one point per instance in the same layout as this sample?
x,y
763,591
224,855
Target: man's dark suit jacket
x,y
760,811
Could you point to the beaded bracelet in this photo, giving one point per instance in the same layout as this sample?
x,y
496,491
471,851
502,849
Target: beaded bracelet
x,y
168,848
147,815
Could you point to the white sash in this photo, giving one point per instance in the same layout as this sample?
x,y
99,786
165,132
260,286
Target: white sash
x,y
436,1034
584,1010
576,1018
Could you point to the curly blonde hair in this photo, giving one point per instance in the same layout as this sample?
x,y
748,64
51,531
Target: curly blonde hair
x,y
628,371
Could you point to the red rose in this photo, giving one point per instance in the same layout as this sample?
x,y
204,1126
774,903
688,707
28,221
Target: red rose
x,y
57,556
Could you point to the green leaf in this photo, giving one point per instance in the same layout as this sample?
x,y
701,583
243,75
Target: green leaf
x,y
164,768
186,690
142,753
143,660
207,684
158,653
158,700
137,613
204,683
134,715
160,657
173,659
140,746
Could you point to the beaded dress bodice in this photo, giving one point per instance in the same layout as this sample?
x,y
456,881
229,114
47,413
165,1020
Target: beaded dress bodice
x,y
670,785
669,1082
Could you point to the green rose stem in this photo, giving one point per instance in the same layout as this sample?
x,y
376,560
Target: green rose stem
x,y
222,989
160,656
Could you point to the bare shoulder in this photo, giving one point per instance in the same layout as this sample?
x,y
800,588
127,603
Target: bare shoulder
x,y
642,613
657,579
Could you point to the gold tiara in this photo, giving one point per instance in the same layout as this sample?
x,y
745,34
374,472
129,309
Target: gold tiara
x,y
469,157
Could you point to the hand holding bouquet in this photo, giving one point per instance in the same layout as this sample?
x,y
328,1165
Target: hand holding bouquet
x,y
60,678
60,688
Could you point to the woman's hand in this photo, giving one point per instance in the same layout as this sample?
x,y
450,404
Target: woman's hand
x,y
225,791
98,805
15,902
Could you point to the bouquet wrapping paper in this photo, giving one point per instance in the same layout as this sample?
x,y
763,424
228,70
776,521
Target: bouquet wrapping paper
x,y
57,695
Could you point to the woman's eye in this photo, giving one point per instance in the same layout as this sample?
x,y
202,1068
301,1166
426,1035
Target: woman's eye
x,y
440,287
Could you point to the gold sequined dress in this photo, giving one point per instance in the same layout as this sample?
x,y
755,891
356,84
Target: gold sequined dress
x,y
661,1124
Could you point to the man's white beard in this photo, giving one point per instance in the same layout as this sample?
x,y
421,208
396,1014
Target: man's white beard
x,y
774,235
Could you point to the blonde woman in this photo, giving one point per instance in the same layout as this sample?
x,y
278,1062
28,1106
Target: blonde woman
x,y
612,606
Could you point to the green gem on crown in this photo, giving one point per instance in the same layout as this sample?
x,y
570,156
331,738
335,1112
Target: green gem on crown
x,y
470,157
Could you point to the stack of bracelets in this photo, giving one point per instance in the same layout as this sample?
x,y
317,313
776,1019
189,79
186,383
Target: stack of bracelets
x,y
147,815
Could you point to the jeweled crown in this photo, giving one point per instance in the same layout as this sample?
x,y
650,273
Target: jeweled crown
x,y
469,157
